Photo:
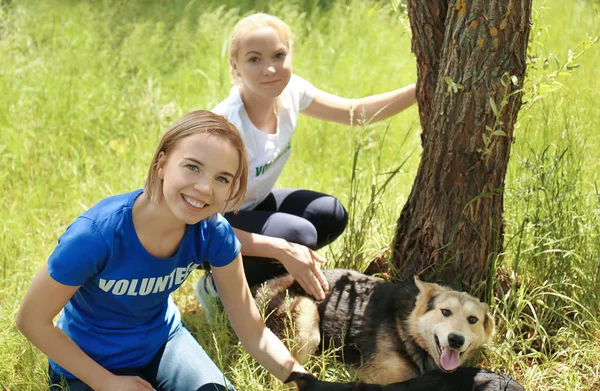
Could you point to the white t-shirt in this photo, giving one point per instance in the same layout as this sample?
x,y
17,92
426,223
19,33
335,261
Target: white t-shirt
x,y
267,153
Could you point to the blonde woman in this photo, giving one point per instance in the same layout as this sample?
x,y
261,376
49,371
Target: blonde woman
x,y
280,229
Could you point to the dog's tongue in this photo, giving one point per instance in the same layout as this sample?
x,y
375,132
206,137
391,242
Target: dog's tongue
x,y
450,359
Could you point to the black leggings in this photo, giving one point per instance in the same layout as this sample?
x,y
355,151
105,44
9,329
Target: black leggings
x,y
298,216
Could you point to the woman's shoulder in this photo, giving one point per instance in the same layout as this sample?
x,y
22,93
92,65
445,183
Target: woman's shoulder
x,y
216,224
113,204
296,85
230,105
216,241
110,213
298,93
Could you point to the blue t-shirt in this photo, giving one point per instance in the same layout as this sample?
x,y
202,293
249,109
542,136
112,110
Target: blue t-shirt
x,y
123,313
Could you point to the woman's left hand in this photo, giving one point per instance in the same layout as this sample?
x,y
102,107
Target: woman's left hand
x,y
303,264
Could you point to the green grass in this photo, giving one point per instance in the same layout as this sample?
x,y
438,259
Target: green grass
x,y
87,88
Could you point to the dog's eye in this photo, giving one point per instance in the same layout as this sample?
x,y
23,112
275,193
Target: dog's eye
x,y
472,319
446,312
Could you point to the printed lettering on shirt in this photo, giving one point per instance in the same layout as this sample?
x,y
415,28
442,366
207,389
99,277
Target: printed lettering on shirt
x,y
147,285
262,169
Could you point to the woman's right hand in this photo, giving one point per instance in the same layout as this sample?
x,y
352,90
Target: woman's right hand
x,y
125,383
304,265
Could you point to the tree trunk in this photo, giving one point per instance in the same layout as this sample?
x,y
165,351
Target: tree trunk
x,y
471,59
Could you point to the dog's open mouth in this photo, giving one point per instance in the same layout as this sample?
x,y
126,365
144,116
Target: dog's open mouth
x,y
449,358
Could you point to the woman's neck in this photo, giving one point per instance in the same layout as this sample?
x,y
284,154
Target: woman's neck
x,y
261,111
159,232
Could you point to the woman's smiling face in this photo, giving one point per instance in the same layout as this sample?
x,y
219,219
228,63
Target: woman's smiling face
x,y
197,176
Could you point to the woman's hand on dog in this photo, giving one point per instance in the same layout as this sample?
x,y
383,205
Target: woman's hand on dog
x,y
304,265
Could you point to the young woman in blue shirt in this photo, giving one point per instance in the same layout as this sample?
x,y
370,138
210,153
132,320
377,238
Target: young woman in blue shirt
x,y
114,268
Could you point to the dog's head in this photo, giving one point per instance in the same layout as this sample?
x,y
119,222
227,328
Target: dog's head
x,y
307,382
450,325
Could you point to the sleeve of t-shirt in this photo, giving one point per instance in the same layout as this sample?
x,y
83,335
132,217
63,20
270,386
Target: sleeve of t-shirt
x,y
305,90
80,254
223,246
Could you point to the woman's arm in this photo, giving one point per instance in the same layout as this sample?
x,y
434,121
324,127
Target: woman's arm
x,y
300,261
42,302
373,108
245,319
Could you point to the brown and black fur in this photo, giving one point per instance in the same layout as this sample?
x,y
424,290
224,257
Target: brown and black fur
x,y
463,379
385,329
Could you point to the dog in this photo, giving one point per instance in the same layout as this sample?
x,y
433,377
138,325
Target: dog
x,y
391,332
462,379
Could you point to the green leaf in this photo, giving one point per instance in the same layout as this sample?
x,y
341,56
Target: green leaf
x,y
493,104
555,59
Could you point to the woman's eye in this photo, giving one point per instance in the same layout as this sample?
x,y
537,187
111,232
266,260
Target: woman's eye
x,y
253,59
191,167
280,55
223,179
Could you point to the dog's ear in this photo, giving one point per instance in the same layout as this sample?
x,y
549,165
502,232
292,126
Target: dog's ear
x,y
489,325
426,298
426,287
419,283
303,380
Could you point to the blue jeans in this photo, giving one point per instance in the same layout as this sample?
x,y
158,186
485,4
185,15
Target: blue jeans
x,y
180,365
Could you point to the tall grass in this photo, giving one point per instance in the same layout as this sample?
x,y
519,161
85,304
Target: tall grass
x,y
87,88
548,308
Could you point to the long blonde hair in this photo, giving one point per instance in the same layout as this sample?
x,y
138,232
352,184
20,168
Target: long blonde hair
x,y
250,23
200,121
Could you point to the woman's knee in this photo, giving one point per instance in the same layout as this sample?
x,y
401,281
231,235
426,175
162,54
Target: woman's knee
x,y
183,364
339,216
329,217
292,228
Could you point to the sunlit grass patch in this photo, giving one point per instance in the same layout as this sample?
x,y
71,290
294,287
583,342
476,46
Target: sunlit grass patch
x,y
87,88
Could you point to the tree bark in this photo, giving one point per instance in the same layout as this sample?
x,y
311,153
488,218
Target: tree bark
x,y
471,60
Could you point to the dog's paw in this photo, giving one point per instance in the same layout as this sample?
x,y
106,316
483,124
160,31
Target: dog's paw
x,y
303,380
